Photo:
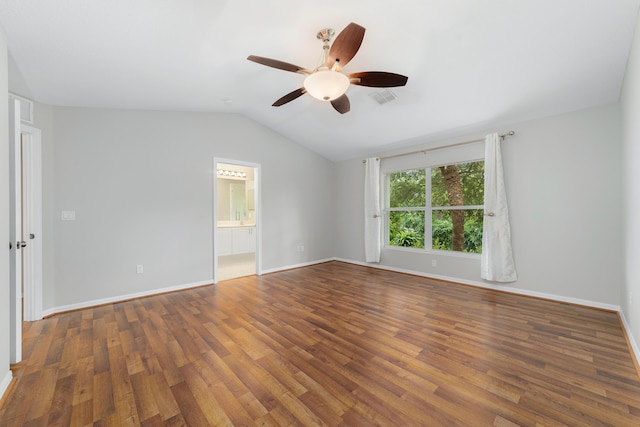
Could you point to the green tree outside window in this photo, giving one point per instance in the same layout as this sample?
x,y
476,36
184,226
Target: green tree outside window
x,y
456,198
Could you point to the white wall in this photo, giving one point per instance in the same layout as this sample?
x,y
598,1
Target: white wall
x,y
630,101
5,373
141,185
563,184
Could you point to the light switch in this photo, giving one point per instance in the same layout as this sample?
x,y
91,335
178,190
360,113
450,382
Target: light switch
x,y
68,215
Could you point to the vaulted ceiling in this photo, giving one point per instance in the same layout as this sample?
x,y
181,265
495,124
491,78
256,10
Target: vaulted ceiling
x,y
470,63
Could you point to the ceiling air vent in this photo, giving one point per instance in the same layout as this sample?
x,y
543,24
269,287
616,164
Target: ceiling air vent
x,y
383,96
26,108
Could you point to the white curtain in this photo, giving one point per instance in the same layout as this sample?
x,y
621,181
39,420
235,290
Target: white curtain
x,y
372,217
497,256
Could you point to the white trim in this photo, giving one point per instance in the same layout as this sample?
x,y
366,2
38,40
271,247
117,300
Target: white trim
x,y
304,264
121,298
632,342
4,385
407,209
552,297
32,221
438,252
458,208
435,208
427,209
258,208
15,208
524,292
511,290
26,108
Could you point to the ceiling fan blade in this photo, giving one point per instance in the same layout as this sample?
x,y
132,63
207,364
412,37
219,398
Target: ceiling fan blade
x,y
281,65
290,97
341,104
346,45
378,79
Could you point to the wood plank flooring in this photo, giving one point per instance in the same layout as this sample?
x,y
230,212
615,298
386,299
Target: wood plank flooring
x,y
333,344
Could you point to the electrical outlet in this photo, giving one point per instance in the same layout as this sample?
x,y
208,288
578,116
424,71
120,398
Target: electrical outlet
x,y
434,263
139,269
68,216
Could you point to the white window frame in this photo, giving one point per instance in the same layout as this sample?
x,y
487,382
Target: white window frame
x,y
428,226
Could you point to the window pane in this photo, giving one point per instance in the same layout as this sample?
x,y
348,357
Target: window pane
x,y
458,185
406,228
457,230
407,189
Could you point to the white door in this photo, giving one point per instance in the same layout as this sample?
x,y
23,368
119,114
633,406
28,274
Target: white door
x,y
32,222
25,177
17,243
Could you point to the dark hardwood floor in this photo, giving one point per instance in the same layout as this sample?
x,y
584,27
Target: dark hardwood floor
x,y
332,344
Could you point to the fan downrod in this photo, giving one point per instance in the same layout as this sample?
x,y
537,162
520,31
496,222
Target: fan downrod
x,y
325,35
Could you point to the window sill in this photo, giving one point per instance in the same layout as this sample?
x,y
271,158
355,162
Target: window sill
x,y
434,252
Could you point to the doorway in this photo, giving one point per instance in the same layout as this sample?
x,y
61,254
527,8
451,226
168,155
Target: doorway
x,y
236,219
25,177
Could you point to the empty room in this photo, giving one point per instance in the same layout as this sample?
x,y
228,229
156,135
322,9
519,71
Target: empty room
x,y
364,213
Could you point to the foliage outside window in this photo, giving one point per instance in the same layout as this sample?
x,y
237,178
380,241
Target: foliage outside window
x,y
442,205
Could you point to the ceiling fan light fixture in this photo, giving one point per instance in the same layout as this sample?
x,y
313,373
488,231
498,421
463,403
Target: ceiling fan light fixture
x,y
327,82
326,85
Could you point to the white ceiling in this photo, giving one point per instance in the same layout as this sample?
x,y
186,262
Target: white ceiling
x,y
471,63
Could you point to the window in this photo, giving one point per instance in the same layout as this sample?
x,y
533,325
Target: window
x,y
442,206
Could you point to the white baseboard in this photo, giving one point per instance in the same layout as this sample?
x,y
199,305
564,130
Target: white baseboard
x,y
4,384
485,285
291,267
120,298
632,342
552,297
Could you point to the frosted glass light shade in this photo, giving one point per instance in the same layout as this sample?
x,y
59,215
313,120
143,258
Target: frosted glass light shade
x,y
326,85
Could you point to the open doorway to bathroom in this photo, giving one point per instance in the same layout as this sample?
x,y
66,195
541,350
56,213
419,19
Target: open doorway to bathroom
x,y
236,219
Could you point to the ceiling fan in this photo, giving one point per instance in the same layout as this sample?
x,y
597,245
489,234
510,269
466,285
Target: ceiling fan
x,y
327,82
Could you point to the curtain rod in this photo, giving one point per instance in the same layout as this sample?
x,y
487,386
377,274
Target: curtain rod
x,y
503,136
